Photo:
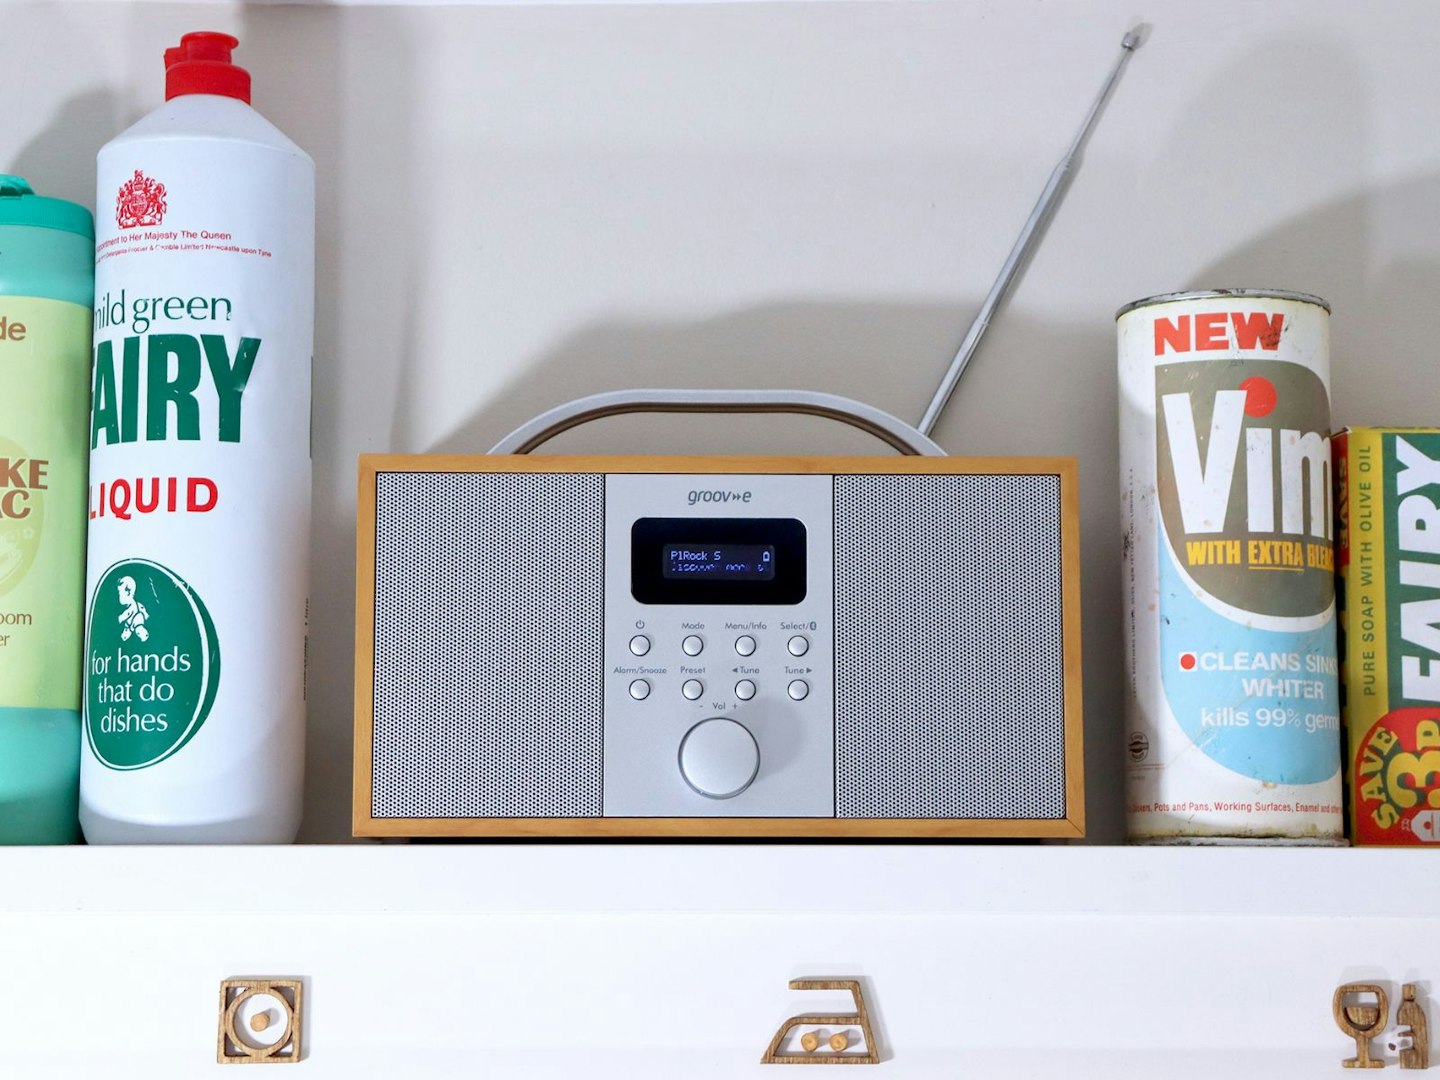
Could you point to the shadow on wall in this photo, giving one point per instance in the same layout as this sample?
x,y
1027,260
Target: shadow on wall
x,y
352,115
1385,319
874,353
59,161
1036,387
1384,316
849,349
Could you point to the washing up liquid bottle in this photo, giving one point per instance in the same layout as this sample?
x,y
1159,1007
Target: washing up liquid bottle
x,y
199,506
47,259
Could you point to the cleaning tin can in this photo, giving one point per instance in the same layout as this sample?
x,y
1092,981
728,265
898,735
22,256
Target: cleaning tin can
x,y
1232,688
47,252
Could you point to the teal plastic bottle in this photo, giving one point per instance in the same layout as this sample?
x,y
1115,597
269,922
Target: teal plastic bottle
x,y
47,286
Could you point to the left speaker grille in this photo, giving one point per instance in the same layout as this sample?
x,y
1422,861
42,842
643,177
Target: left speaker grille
x,y
489,612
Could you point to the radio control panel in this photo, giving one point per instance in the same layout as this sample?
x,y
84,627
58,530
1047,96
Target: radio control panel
x,y
719,646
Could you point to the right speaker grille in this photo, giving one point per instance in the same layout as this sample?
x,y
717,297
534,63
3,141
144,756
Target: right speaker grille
x,y
950,658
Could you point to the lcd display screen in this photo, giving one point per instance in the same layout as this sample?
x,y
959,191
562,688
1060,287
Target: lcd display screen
x,y
717,562
702,560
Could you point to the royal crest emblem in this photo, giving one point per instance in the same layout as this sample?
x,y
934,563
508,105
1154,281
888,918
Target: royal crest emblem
x,y
141,202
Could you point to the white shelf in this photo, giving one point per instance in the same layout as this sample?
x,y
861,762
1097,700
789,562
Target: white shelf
x,y
838,879
661,961
522,203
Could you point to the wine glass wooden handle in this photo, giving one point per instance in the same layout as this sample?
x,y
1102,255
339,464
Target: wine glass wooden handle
x,y
1362,1033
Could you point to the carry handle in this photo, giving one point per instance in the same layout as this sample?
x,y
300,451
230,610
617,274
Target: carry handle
x,y
882,425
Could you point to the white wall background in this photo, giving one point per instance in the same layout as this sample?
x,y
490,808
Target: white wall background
x,y
520,205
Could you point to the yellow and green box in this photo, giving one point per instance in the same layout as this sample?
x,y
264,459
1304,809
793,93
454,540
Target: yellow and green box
x,y
1387,485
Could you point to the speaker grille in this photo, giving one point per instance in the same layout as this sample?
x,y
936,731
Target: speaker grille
x,y
489,613
950,682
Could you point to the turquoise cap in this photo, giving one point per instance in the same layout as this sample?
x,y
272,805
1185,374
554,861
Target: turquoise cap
x,y
19,205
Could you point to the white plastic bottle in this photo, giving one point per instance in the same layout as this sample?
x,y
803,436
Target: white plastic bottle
x,y
197,568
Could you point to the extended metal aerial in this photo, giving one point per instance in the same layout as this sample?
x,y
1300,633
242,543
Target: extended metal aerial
x,y
1128,44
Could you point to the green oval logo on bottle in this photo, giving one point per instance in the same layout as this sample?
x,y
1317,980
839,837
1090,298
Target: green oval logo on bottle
x,y
22,515
151,668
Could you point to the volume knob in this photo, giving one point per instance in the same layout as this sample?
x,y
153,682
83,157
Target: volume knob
x,y
719,758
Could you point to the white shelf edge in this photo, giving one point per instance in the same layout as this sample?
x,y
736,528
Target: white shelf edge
x,y
620,878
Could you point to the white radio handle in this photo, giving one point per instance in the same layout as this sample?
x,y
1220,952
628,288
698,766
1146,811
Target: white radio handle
x,y
882,425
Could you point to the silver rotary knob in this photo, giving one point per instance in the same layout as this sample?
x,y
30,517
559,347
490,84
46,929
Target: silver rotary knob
x,y
719,758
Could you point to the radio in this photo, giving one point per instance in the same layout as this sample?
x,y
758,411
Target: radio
x,y
718,646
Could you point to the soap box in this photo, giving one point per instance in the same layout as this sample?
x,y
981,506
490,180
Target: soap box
x,y
1387,502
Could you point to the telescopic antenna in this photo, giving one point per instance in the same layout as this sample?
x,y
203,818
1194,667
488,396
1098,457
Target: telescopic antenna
x,y
1023,243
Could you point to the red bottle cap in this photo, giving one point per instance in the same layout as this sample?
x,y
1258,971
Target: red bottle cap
x,y
200,64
